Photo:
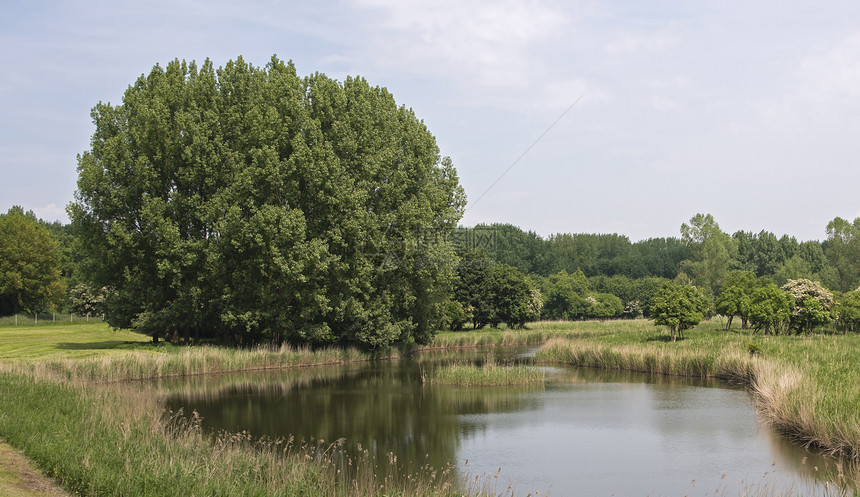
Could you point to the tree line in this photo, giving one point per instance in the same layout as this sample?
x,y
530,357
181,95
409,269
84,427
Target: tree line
x,y
775,285
248,204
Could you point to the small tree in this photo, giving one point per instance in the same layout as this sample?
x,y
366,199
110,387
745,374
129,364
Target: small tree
x,y
511,296
604,305
770,309
812,304
678,307
735,297
86,300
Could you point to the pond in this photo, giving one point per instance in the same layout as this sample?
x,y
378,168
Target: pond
x,y
583,432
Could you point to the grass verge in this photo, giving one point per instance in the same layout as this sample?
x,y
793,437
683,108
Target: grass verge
x,y
19,478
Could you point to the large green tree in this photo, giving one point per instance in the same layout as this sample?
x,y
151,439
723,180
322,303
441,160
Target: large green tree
x,y
565,296
30,278
252,204
843,251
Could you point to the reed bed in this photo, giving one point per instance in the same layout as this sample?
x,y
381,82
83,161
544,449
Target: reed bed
x,y
490,373
536,333
200,360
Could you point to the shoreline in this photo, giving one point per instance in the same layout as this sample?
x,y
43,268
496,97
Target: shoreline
x,y
636,347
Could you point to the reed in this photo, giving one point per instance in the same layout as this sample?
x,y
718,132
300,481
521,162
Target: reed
x,y
490,373
182,361
537,333
111,440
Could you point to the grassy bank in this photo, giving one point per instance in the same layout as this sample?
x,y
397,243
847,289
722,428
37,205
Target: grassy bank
x,y
79,420
806,387
111,441
68,405
488,374
20,478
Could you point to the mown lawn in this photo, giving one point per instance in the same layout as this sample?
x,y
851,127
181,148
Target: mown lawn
x,y
67,341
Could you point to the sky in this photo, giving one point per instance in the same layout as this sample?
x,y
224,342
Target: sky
x,y
590,116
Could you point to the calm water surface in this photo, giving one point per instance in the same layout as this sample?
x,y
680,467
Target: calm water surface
x,y
585,432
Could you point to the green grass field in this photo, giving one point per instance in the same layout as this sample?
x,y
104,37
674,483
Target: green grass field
x,y
66,341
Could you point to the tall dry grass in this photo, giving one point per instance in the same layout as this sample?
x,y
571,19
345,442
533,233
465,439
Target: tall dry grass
x,y
489,374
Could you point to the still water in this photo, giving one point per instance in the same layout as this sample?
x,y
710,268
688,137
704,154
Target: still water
x,y
584,432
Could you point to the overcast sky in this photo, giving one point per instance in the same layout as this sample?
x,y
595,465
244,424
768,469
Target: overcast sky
x,y
749,111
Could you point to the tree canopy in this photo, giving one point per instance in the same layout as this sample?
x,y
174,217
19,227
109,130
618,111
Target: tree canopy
x,y
30,278
252,204
678,307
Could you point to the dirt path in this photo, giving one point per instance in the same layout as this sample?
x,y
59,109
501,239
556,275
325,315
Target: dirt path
x,y
20,478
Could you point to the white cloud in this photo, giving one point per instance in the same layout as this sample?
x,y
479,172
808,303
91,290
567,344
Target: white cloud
x,y
487,42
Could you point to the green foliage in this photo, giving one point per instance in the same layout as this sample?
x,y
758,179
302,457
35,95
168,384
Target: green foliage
x,y
753,348
511,245
658,258
759,253
843,251
734,300
770,308
454,316
493,293
713,253
509,293
565,296
594,254
847,311
678,307
251,205
604,305
30,279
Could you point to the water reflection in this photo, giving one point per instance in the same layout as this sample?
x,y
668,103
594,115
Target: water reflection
x,y
586,432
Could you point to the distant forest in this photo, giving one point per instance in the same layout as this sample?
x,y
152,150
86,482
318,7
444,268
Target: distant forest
x,y
605,255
